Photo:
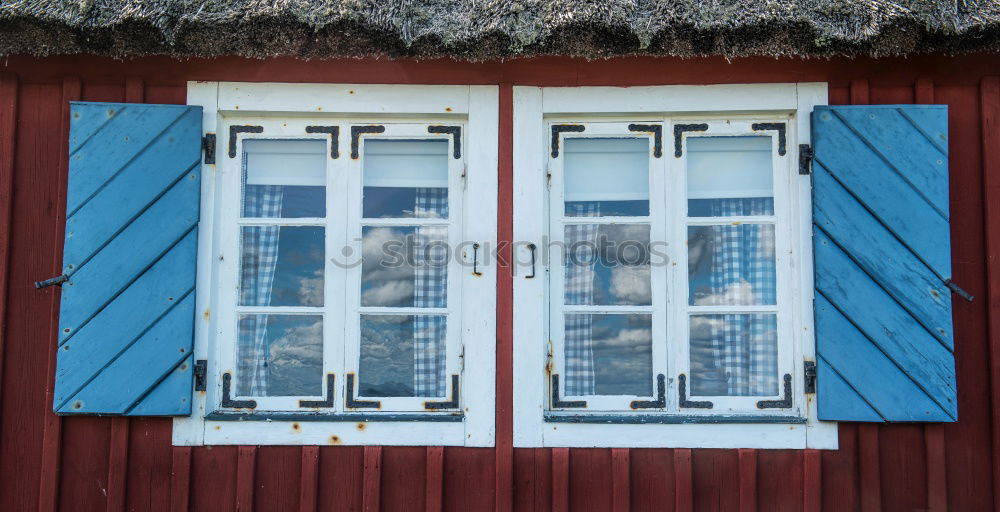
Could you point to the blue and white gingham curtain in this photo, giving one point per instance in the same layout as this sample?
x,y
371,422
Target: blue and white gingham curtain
x,y
580,257
743,263
260,256
430,290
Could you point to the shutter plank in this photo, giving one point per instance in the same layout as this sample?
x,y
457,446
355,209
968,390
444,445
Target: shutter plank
x,y
850,406
127,311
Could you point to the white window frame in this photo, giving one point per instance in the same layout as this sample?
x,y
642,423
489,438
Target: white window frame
x,y
284,109
535,109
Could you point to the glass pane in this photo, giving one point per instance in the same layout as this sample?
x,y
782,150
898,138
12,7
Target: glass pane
x,y
405,178
734,355
731,265
281,266
608,354
405,266
284,178
607,265
606,177
402,355
729,176
279,355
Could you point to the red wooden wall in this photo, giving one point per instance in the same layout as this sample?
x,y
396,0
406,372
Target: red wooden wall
x,y
88,463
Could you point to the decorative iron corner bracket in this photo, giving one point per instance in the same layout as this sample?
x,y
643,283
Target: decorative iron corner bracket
x,y
661,396
330,380
679,130
351,403
229,402
455,132
784,403
452,403
334,132
684,402
237,129
560,128
778,127
356,132
561,404
208,145
656,130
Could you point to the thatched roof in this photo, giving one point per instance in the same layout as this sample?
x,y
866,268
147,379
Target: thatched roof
x,y
484,29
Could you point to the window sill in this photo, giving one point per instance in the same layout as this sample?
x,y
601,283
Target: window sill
x,y
342,417
667,419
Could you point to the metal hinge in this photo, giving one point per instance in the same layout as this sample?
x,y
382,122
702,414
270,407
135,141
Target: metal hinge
x,y
208,144
200,375
52,281
806,154
809,368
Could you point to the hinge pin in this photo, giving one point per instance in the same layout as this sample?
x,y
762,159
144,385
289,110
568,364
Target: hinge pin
x,y
55,281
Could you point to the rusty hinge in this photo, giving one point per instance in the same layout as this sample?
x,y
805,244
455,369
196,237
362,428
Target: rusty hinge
x,y
208,145
809,369
200,375
806,154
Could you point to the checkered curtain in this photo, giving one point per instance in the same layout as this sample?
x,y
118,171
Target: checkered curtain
x,y
580,258
260,256
743,261
430,290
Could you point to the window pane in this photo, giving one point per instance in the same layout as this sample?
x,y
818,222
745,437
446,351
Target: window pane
x,y
729,176
608,354
405,178
607,265
405,266
280,355
281,266
402,355
731,265
606,177
734,355
284,178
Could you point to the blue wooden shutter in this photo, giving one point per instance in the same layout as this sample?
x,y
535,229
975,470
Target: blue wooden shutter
x,y
126,319
882,260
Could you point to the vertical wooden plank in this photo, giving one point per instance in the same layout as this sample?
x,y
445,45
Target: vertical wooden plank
x,y
560,480
435,479
8,137
309,479
620,489
812,481
372,494
859,92
683,484
246,467
504,452
869,478
748,479
989,104
117,464
180,479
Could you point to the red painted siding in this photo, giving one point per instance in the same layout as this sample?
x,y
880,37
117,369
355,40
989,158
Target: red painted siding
x,y
80,463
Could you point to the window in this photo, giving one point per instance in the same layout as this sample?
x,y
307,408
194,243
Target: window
x,y
342,263
672,251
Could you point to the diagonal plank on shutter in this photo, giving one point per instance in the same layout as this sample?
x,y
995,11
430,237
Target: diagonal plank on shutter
x,y
127,311
882,258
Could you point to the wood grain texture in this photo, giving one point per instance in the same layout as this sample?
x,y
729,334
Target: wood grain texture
x,y
748,480
812,477
372,479
504,456
246,469
180,479
989,105
621,497
434,479
869,475
309,479
8,137
683,481
560,480
117,464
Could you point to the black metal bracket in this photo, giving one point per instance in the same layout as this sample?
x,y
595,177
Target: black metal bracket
x,y
778,127
452,403
455,132
351,403
560,128
661,396
684,402
330,381
475,259
52,281
809,371
784,403
679,130
201,375
237,129
531,247
806,155
208,145
657,130
356,132
229,402
561,404
334,132
958,290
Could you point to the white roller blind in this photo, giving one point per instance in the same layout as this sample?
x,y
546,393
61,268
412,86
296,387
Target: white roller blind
x,y
606,169
729,167
285,162
406,163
